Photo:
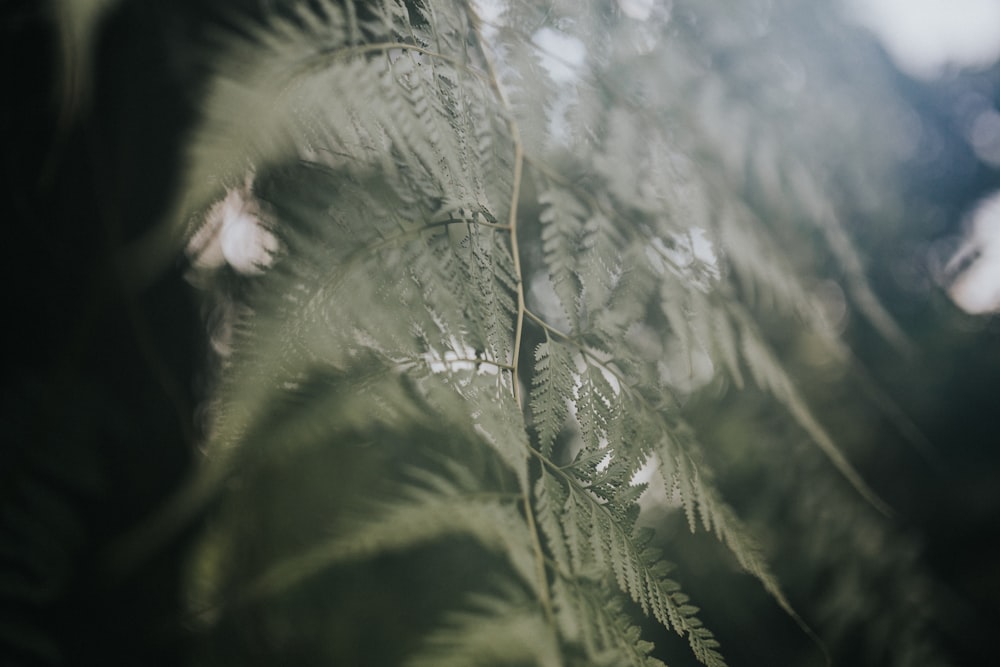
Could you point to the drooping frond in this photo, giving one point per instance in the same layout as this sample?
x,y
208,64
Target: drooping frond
x,y
592,616
703,505
427,510
598,537
770,376
554,368
563,221
505,629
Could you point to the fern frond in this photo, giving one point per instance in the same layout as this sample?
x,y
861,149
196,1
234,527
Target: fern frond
x,y
599,262
426,176
857,283
491,415
598,540
702,504
639,432
553,384
772,284
563,218
431,507
592,615
250,114
501,629
596,403
770,376
494,277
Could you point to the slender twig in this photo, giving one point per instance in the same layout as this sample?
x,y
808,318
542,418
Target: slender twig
x,y
545,597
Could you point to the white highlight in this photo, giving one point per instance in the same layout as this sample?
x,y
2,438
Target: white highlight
x,y
690,256
234,234
928,37
489,12
976,289
561,54
639,10
984,137
460,357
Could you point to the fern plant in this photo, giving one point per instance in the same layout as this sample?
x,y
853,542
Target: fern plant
x,y
507,243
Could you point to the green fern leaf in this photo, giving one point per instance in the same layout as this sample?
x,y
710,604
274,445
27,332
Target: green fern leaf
x,y
563,218
553,384
596,402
